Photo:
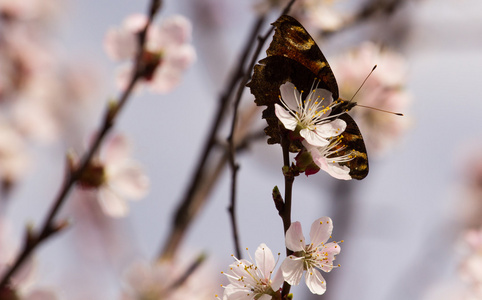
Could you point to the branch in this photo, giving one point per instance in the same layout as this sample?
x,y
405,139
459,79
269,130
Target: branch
x,y
231,147
285,211
185,213
34,239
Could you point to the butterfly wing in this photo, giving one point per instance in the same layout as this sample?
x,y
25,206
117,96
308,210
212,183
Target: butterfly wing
x,y
294,56
292,40
352,144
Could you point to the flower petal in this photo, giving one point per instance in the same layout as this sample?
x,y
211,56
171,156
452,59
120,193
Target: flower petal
x,y
180,58
289,93
175,30
40,295
285,117
325,96
327,253
315,282
292,269
138,275
112,204
265,297
321,230
129,181
236,293
241,269
165,79
295,240
121,43
313,138
265,260
334,169
117,149
135,23
277,280
330,129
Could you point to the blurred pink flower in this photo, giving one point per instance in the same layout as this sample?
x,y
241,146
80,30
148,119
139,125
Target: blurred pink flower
x,y
158,280
56,105
14,158
249,281
115,177
168,52
471,266
471,269
473,238
30,10
310,257
312,14
41,96
451,290
385,89
470,189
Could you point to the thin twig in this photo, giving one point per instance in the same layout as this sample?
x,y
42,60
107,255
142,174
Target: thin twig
x,y
231,147
188,272
184,213
48,228
285,213
239,93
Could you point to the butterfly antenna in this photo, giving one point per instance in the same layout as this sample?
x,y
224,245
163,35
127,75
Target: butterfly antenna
x,y
382,110
374,108
366,78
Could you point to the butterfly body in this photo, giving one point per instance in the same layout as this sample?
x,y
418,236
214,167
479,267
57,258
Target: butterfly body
x,y
293,56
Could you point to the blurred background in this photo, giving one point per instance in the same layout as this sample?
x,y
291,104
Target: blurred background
x,y
402,226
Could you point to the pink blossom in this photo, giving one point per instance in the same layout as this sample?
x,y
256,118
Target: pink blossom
x,y
310,257
158,280
14,157
385,89
249,281
327,159
471,266
115,178
42,98
313,14
28,10
474,239
168,51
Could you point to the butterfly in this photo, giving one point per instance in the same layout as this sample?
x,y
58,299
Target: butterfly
x,y
293,56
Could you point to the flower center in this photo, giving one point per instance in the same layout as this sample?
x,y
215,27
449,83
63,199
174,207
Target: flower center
x,y
93,176
314,110
331,151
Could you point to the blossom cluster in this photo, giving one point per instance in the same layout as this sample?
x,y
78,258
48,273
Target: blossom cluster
x,y
385,89
309,115
309,118
42,98
113,177
320,15
165,280
259,280
166,55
